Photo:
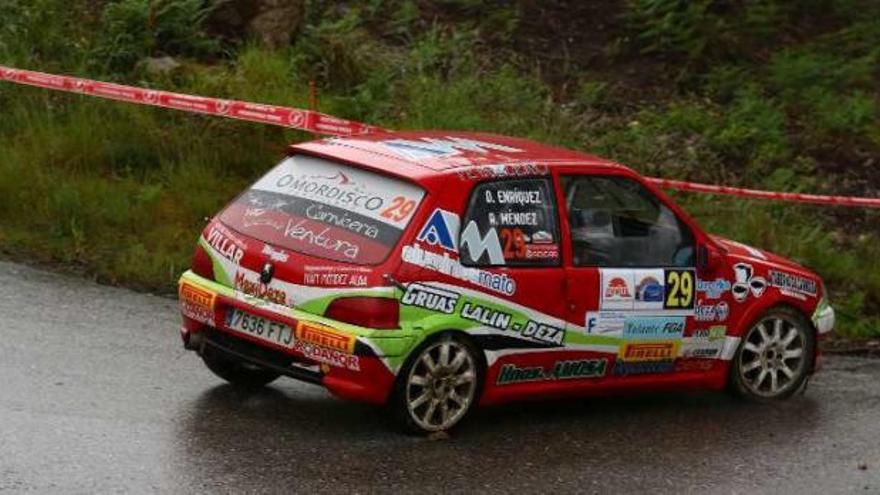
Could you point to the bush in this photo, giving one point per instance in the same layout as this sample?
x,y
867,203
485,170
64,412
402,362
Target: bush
x,y
135,29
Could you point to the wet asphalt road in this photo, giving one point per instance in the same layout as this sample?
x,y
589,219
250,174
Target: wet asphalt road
x,y
97,396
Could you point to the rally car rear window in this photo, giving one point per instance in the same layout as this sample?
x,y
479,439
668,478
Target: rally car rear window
x,y
326,209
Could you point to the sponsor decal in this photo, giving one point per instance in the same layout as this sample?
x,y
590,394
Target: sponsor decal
x,y
377,197
650,292
336,189
441,229
713,288
694,364
541,251
542,332
561,370
793,283
711,312
654,289
431,298
485,315
747,283
227,245
340,218
648,327
196,303
679,289
618,289
324,336
605,322
624,368
336,276
717,332
260,290
702,352
542,237
517,246
705,343
502,171
302,231
275,254
649,351
474,244
325,355
269,209
335,279
442,263
423,148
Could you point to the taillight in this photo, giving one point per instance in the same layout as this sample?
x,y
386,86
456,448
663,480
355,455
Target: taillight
x,y
371,312
202,264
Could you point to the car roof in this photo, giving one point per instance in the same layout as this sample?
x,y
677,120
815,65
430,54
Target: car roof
x,y
422,154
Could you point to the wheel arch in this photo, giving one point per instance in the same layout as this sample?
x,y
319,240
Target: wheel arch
x,y
752,314
812,326
757,313
436,335
396,400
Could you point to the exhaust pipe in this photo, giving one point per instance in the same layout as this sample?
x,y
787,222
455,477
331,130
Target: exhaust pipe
x,y
193,341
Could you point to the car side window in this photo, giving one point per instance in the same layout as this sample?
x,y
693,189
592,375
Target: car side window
x,y
617,222
511,222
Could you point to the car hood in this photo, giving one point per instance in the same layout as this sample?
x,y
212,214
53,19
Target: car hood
x,y
744,252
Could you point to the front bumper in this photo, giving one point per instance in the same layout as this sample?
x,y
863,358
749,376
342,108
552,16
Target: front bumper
x,y
823,318
351,362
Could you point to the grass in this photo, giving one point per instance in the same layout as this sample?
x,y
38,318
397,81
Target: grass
x,y
122,191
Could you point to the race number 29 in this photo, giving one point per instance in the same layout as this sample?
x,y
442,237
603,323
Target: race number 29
x,y
400,209
680,285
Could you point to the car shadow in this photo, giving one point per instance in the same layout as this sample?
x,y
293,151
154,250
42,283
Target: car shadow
x,y
226,432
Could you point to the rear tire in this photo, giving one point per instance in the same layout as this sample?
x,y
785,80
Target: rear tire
x,y
774,357
438,386
240,374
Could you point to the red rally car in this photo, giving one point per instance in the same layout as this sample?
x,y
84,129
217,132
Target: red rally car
x,y
435,271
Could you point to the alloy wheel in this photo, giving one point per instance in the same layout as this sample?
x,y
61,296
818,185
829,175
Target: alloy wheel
x,y
441,385
773,357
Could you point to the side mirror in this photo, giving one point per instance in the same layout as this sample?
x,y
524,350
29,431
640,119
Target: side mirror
x,y
708,257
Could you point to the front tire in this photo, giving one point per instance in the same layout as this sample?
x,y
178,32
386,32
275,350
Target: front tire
x,y
774,357
438,386
240,374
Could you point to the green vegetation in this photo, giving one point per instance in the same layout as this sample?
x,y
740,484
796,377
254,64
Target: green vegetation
x,y
768,94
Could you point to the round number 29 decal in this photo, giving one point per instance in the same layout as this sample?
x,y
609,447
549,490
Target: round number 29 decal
x,y
680,285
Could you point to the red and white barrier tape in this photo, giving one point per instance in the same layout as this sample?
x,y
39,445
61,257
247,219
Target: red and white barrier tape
x,y
306,120
320,123
756,194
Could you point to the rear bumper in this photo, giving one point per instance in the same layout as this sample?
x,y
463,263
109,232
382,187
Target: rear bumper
x,y
213,341
346,360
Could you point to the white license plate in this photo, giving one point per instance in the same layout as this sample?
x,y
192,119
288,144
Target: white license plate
x,y
259,327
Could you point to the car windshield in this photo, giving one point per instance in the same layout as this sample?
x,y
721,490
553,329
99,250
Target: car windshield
x,y
326,209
